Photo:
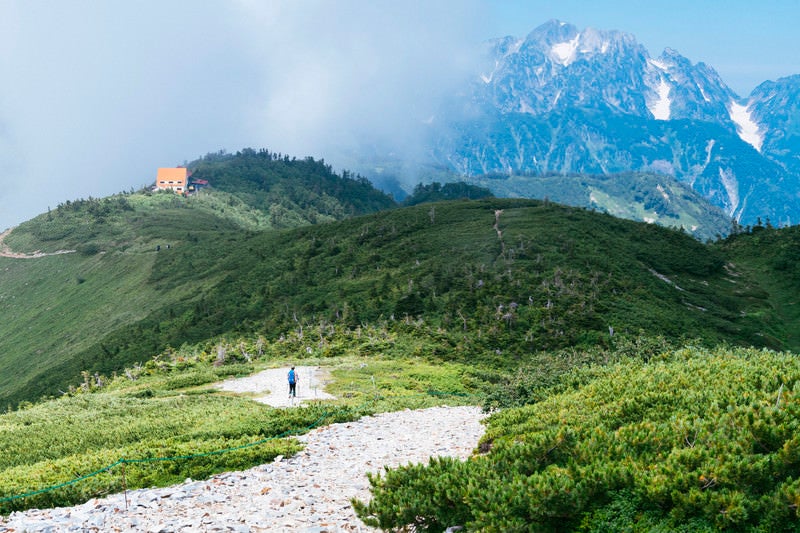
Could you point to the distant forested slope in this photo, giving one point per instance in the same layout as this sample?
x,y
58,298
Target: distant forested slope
x,y
291,191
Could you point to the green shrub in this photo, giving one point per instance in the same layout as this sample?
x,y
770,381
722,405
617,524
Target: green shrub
x,y
710,439
167,426
88,249
146,464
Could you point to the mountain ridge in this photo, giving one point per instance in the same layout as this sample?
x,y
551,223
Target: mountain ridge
x,y
435,261
627,112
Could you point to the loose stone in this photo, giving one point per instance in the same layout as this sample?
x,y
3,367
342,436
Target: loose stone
x,y
308,492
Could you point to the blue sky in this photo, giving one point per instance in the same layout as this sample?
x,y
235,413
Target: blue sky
x,y
94,96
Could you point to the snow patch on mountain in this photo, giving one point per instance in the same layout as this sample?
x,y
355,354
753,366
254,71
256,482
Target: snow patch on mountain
x,y
588,42
746,127
565,52
709,148
660,107
731,184
592,41
703,93
660,65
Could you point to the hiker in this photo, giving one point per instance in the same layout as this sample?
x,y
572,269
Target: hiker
x,y
293,379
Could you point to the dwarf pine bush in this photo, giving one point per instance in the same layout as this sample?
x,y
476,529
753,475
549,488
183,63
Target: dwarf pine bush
x,y
704,439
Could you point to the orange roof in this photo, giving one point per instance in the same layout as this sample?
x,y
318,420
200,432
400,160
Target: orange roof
x,y
175,174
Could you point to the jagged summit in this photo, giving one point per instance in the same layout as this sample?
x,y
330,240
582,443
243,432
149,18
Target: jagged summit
x,y
552,31
558,66
569,101
558,33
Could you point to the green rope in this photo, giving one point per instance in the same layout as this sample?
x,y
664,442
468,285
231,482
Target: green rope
x,y
286,433
61,485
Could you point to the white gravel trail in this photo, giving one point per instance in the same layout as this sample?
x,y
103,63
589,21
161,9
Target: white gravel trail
x,y
309,492
272,385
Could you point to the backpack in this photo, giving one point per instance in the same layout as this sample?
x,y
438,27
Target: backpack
x,y
291,377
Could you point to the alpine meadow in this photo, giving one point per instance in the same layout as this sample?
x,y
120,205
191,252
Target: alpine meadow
x,y
638,379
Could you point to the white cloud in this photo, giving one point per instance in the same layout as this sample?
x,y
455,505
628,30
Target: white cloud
x,y
335,69
96,96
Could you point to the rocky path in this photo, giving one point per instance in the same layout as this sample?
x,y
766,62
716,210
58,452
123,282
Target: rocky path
x,y
5,251
309,492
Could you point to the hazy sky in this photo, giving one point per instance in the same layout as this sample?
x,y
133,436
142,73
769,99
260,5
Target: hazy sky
x,y
95,95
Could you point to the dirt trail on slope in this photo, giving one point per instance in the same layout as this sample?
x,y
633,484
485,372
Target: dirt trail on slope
x,y
5,251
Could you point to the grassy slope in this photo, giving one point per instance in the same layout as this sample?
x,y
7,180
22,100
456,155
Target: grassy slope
x,y
770,260
572,273
445,262
61,308
57,306
558,277
45,306
169,407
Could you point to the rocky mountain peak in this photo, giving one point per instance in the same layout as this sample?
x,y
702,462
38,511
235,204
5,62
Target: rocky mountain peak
x,y
566,100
